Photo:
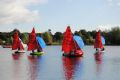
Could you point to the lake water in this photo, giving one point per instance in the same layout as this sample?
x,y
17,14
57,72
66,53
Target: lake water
x,y
53,66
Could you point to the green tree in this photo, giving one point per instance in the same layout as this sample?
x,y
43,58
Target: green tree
x,y
24,37
58,36
115,35
47,37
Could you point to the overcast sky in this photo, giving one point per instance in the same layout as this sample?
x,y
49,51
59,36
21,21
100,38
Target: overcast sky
x,y
58,14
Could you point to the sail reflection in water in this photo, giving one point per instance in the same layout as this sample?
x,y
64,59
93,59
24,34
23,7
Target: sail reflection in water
x,y
17,68
16,56
33,67
98,56
98,59
71,66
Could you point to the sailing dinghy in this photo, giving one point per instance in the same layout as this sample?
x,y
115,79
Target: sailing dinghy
x,y
72,45
35,43
17,44
99,42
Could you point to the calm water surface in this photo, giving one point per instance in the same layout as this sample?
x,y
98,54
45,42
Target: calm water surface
x,y
52,66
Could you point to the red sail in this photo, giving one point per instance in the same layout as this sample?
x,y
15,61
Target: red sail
x,y
98,41
32,44
68,43
16,42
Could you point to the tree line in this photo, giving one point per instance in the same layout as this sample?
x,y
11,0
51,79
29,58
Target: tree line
x,y
112,36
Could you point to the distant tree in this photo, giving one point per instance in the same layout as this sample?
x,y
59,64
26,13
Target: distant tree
x,y
115,35
49,31
1,42
86,36
78,33
12,32
39,34
93,33
58,36
47,37
112,37
3,36
83,32
24,37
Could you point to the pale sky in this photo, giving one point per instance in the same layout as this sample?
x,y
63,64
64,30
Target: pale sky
x,y
58,14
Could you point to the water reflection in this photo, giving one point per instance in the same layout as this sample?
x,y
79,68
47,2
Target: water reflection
x,y
50,66
33,67
18,67
98,59
16,56
69,66
98,56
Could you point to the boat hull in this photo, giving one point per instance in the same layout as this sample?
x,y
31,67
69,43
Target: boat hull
x,y
18,52
6,46
99,51
80,54
69,55
36,53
